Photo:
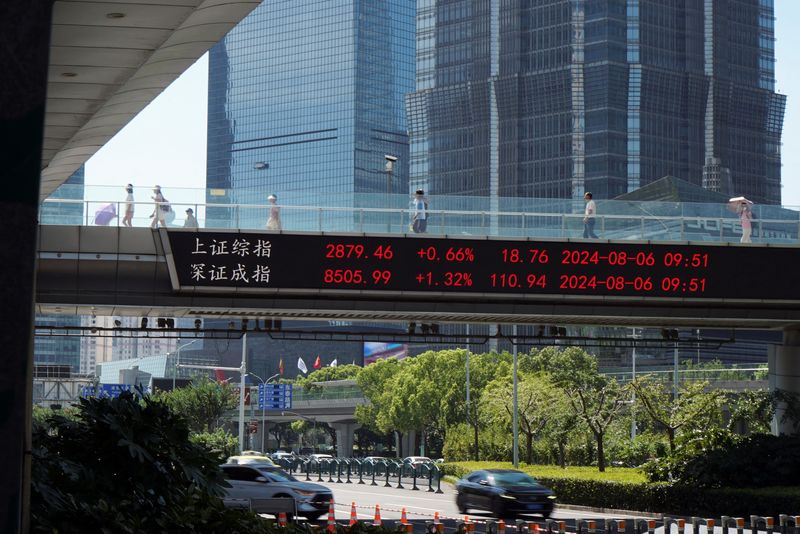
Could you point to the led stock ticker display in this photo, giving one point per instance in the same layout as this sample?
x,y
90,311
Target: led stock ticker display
x,y
264,262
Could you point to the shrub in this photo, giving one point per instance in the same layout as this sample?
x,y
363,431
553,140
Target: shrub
x,y
127,465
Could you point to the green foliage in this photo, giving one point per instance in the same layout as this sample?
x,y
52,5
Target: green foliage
x,y
459,444
688,446
202,404
41,414
220,443
326,374
694,409
752,461
126,465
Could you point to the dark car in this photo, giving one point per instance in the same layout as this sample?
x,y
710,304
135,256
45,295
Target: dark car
x,y
504,492
263,481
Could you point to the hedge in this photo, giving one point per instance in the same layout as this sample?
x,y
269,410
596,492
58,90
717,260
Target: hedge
x,y
666,498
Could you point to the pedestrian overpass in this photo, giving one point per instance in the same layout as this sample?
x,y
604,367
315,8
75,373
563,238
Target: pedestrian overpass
x,y
497,276
389,277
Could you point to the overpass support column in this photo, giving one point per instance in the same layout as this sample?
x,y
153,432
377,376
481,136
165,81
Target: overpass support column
x,y
344,438
784,374
25,30
409,443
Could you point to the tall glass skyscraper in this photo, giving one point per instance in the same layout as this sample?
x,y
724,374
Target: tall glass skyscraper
x,y
306,97
551,98
61,350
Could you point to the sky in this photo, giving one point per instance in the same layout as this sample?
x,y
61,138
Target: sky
x,y
166,143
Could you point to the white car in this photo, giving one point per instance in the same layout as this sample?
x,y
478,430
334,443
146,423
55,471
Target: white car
x,y
264,481
320,457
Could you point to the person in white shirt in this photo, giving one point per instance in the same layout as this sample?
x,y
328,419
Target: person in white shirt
x,y
128,218
588,217
420,221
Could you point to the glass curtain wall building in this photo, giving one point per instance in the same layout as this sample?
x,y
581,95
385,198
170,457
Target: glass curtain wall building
x,y
306,98
61,350
552,98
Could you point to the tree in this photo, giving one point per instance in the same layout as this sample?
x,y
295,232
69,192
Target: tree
x,y
202,404
538,400
694,408
281,431
596,399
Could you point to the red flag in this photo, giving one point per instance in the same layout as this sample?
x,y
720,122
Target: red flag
x,y
219,374
317,363
280,366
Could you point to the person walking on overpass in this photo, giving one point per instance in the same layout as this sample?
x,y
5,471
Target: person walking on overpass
x,y
419,223
274,220
128,218
191,220
160,210
589,217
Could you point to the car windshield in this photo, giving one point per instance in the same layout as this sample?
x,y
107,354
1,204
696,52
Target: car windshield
x,y
513,479
277,475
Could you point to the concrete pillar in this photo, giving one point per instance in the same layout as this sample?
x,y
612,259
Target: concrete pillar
x,y
345,438
25,37
784,374
409,444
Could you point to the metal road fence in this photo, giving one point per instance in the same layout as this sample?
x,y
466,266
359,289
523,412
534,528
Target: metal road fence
x,y
447,215
386,472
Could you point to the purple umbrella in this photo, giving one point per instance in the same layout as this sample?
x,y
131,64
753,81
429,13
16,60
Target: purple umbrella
x,y
104,215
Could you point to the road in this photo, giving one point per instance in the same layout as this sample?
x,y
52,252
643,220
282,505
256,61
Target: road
x,y
420,505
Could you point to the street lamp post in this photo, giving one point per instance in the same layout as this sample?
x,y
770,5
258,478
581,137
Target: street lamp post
x,y
264,408
312,419
178,360
390,161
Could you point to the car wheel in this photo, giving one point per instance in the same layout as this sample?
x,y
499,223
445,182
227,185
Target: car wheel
x,y
498,508
461,504
546,515
313,517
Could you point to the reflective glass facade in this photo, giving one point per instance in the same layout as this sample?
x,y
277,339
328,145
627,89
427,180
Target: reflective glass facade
x,y
306,99
61,350
551,98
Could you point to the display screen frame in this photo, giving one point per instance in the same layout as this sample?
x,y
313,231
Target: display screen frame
x,y
698,272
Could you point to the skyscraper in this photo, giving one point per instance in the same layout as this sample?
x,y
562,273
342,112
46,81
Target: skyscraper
x,y
61,350
306,100
556,97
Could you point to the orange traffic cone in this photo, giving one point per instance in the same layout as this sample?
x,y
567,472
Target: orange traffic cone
x,y
437,522
353,514
377,521
501,527
282,519
535,529
403,517
331,518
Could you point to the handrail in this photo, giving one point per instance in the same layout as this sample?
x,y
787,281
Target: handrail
x,y
713,227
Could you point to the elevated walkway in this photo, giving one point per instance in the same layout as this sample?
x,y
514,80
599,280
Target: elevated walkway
x,y
131,271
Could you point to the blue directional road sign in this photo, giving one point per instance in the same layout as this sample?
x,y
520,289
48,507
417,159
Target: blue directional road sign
x,y
105,390
274,396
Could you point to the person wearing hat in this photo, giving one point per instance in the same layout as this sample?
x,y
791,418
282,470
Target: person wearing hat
x,y
420,218
274,220
127,220
162,207
191,220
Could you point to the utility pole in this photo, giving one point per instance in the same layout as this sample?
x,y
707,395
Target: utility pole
x,y
515,415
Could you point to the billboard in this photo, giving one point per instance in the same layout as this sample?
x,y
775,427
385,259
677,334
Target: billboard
x,y
374,351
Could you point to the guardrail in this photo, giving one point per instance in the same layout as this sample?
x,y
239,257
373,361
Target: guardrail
x,y
716,226
357,471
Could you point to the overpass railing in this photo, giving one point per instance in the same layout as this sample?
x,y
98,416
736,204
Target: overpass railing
x,y
545,218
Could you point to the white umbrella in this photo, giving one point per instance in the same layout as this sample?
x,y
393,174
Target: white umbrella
x,y
735,204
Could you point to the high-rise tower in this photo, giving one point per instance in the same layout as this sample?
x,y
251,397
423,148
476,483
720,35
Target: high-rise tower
x,y
306,100
552,98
